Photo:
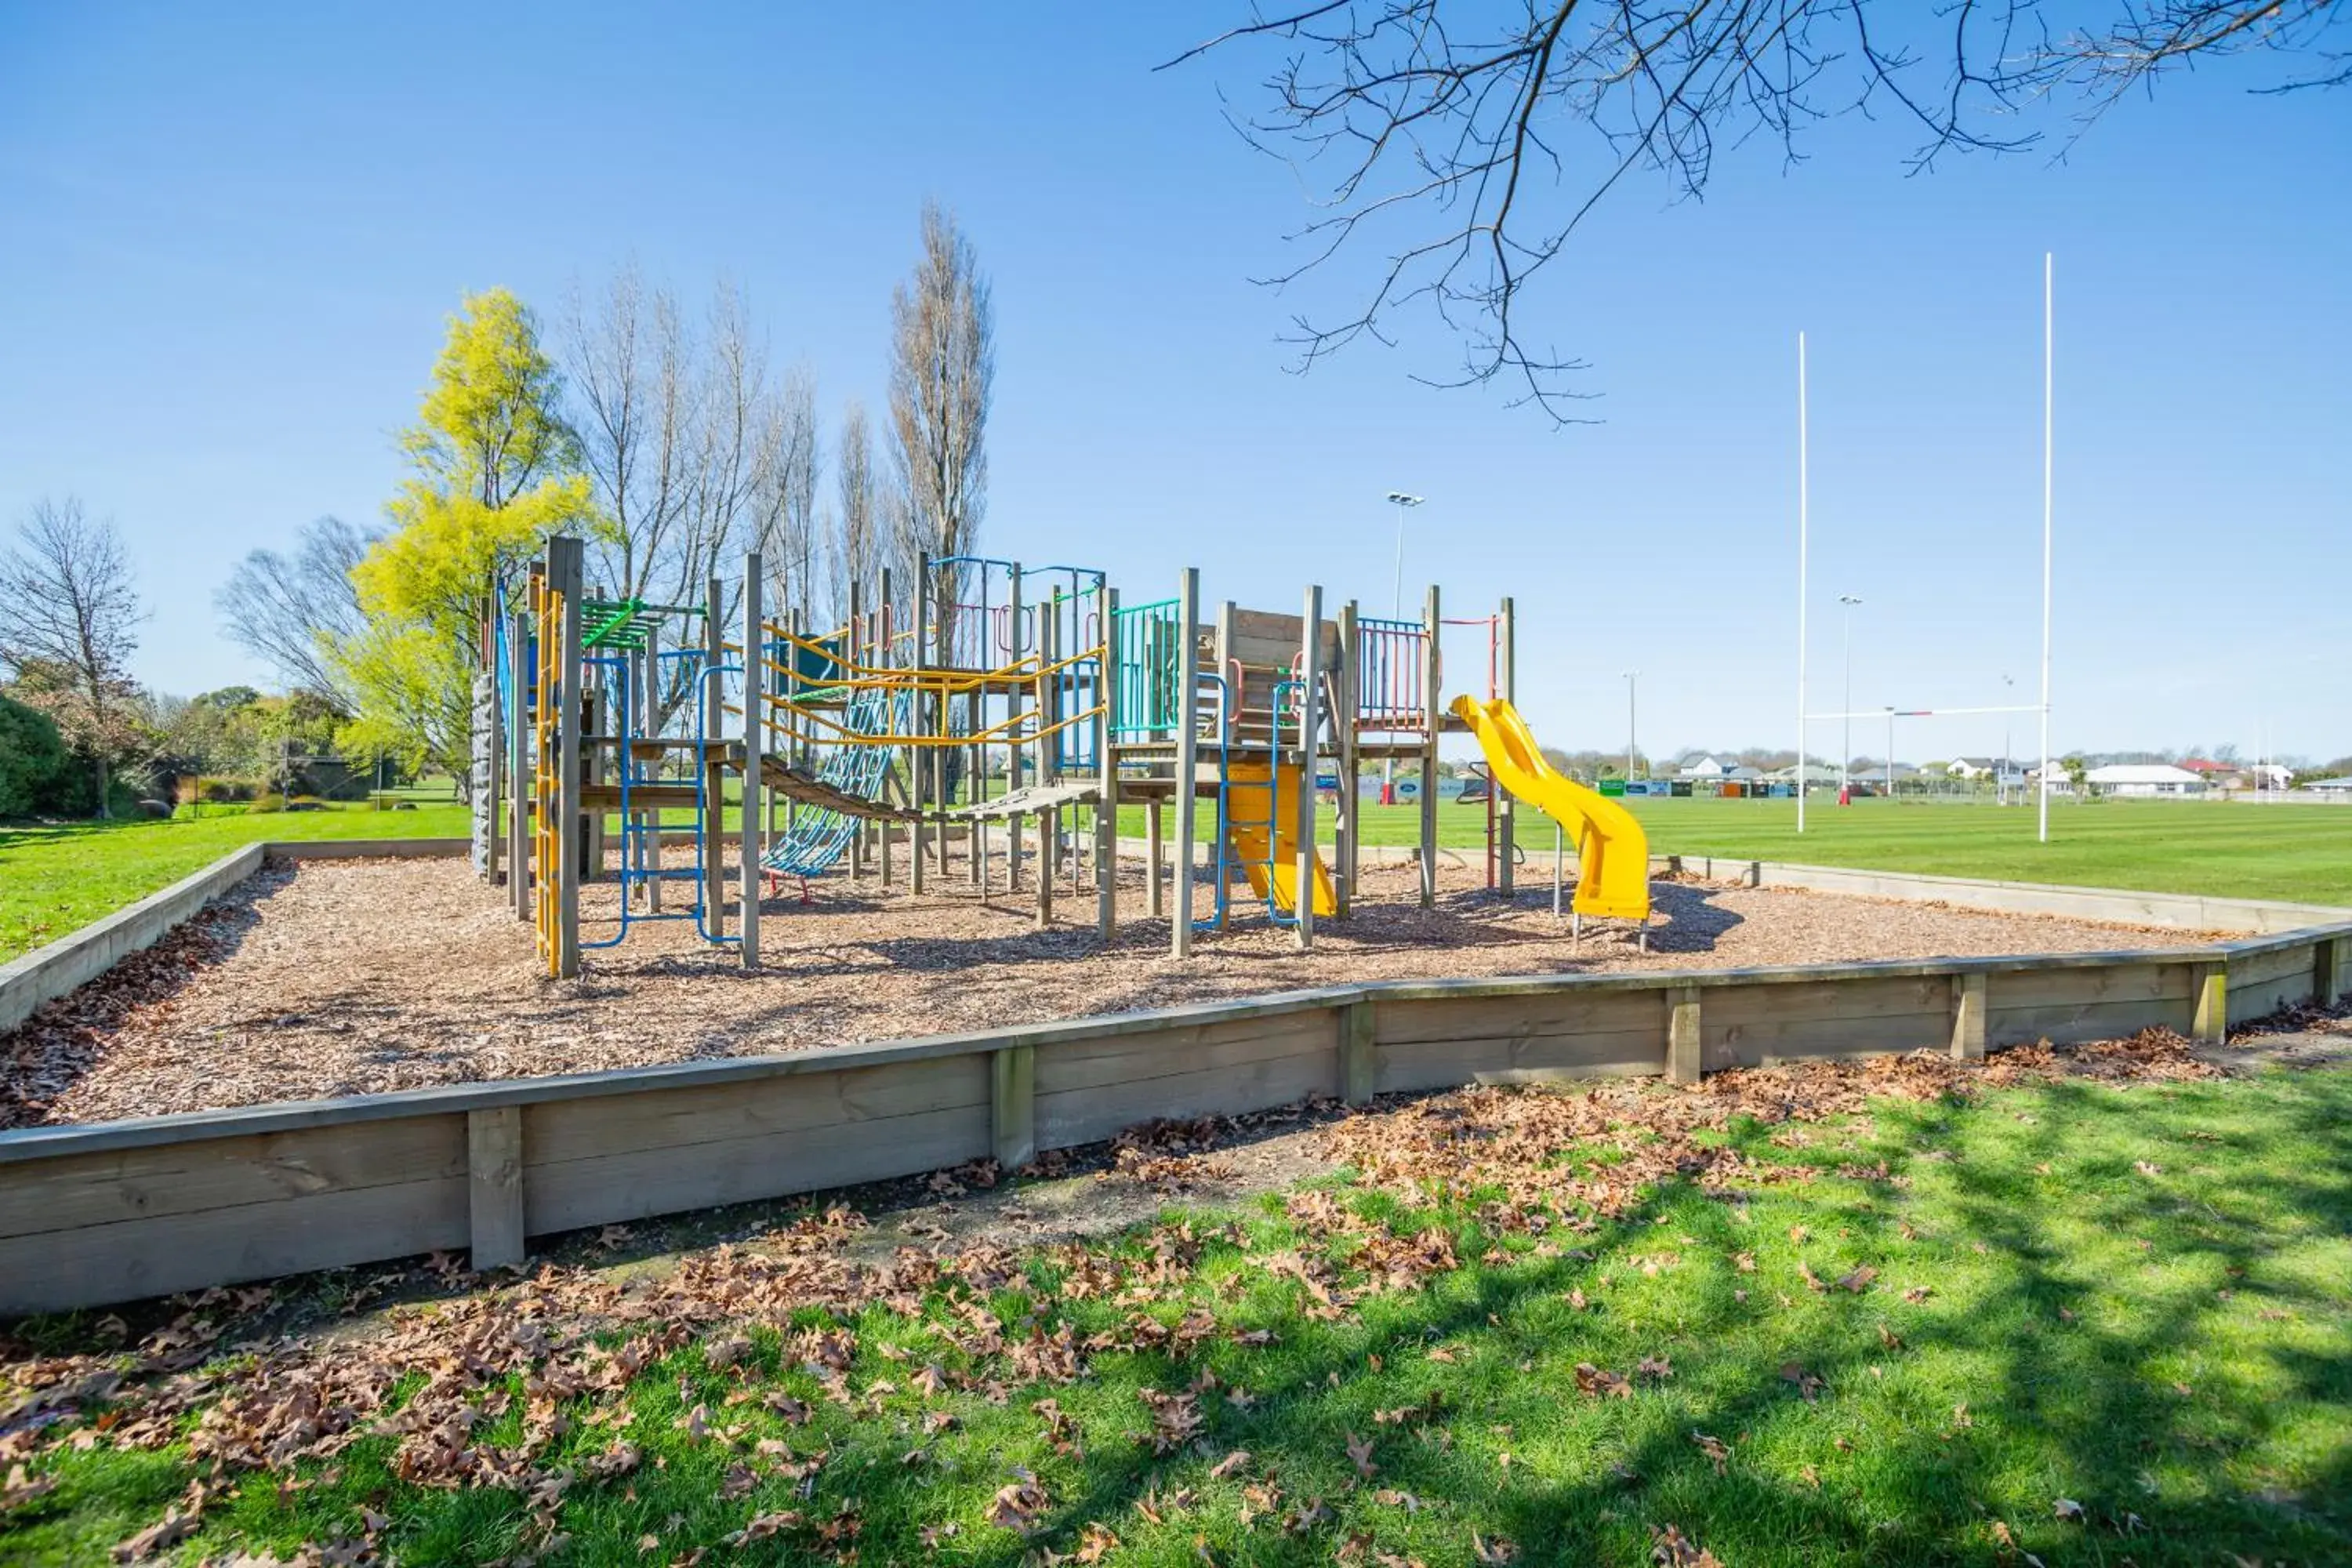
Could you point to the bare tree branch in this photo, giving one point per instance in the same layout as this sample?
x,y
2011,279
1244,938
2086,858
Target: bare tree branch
x,y
288,610
1443,136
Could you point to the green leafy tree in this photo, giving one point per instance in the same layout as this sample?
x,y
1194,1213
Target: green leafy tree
x,y
497,471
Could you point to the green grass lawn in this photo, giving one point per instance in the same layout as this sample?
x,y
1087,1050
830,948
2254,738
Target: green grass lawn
x,y
54,881
2096,1324
2301,854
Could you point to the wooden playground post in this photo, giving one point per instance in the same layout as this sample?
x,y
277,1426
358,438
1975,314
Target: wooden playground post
x,y
1188,759
975,764
1012,834
918,756
711,762
1429,676
753,717
1302,885
519,760
1048,828
651,723
1107,805
796,746
1506,804
852,648
564,577
890,716
1343,733
1050,716
486,806
1155,853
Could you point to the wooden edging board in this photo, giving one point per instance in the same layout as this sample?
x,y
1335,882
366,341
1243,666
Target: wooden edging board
x,y
78,957
104,1212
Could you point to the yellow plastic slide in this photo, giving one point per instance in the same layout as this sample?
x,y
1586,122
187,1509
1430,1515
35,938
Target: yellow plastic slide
x,y
1246,828
1612,874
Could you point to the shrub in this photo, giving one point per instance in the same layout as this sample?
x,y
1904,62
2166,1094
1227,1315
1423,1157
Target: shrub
x,y
269,800
37,773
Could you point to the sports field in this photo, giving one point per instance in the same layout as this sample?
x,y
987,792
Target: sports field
x,y
2299,853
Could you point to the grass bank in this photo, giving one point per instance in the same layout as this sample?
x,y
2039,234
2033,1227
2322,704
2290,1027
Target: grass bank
x,y
55,880
1768,1322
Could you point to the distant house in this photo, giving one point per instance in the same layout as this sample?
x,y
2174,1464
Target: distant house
x,y
2143,779
1970,768
2339,788
1711,770
2238,775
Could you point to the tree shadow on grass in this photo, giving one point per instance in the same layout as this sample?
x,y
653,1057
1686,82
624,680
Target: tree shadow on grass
x,y
1853,1424
2045,1408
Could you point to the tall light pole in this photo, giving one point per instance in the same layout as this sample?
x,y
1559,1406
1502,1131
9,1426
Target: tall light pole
x,y
1632,691
1845,747
1404,502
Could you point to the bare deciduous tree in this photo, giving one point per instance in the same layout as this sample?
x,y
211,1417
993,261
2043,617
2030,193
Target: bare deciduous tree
x,y
288,610
1444,134
69,626
787,532
855,538
694,457
942,376
629,367
732,453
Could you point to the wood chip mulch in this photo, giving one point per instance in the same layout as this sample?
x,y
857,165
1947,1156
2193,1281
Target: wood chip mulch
x,y
361,976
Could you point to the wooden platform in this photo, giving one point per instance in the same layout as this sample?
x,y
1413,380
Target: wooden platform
x,y
653,746
810,789
642,797
1020,802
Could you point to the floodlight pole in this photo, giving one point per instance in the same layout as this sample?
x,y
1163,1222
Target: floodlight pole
x,y
2049,267
1803,545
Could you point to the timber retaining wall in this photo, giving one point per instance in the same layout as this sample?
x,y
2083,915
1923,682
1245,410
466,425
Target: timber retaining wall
x,y
104,1212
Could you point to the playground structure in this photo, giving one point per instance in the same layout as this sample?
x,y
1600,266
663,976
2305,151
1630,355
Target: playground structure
x,y
1002,710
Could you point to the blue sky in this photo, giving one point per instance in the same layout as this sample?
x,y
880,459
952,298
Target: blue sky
x,y
234,236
